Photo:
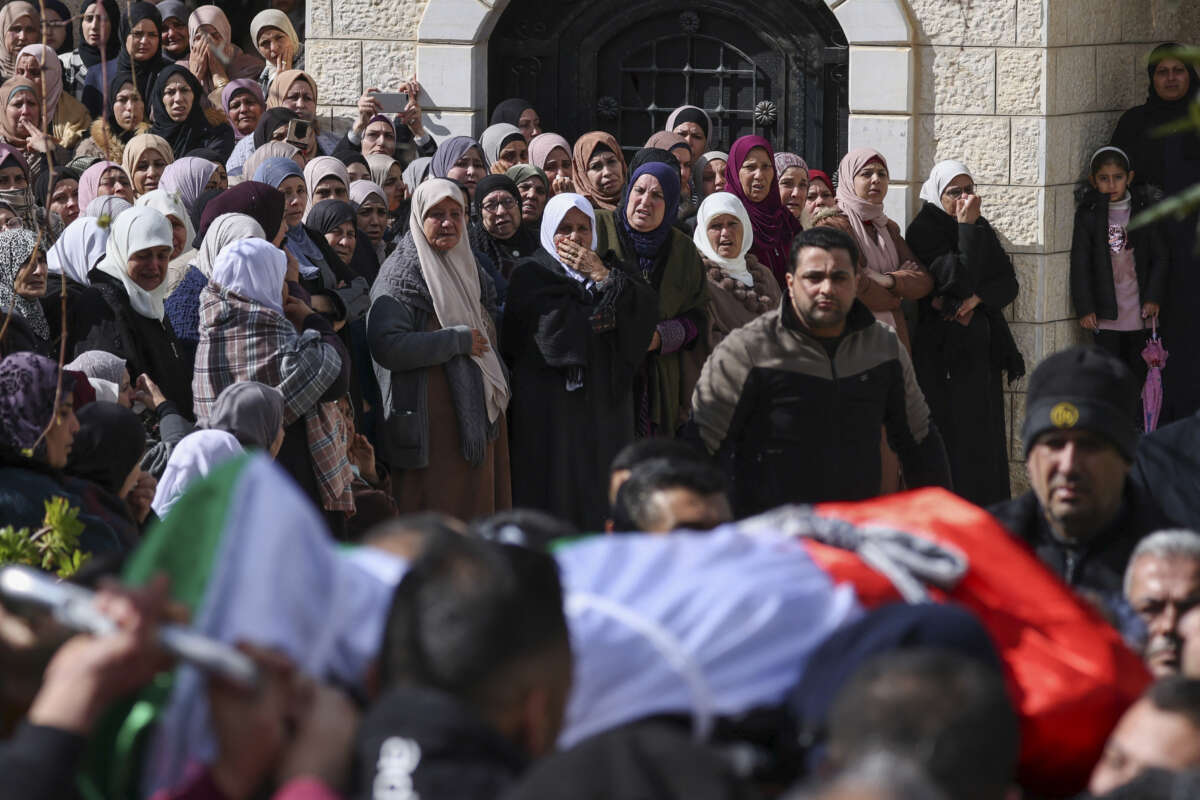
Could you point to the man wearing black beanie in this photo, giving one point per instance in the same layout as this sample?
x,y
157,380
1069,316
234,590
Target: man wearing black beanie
x,y
1082,516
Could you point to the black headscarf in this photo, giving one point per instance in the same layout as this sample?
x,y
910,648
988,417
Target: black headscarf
x,y
91,56
328,214
1170,162
653,154
1172,108
42,188
121,78
193,131
504,253
145,72
66,16
271,119
510,111
349,157
109,445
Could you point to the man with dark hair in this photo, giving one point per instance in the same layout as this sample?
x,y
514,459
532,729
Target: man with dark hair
x,y
667,494
793,402
1160,730
946,712
1082,515
644,450
475,670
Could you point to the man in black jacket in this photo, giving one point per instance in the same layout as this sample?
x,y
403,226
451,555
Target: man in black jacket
x,y
1083,517
793,402
475,671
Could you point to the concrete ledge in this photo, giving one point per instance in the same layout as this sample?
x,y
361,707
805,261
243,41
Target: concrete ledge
x,y
454,21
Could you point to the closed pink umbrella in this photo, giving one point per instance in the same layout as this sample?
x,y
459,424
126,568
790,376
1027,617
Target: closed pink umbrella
x,y
1155,356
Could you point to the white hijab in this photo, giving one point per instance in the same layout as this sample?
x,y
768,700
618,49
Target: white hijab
x,y
715,205
135,230
552,217
453,281
224,231
196,455
254,269
169,204
82,244
939,178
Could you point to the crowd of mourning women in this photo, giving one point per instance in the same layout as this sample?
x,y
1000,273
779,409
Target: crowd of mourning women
x,y
600,334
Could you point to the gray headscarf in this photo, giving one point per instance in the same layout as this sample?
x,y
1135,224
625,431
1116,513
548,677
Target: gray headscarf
x,y
251,411
99,364
16,246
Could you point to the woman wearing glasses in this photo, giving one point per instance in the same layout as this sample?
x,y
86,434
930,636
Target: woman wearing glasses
x,y
499,234
962,343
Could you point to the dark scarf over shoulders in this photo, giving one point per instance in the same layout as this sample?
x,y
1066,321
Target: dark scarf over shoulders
x,y
191,133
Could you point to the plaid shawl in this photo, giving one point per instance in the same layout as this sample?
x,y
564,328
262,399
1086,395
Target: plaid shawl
x,y
241,340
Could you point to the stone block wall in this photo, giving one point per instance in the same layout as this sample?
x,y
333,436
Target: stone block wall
x,y
1021,90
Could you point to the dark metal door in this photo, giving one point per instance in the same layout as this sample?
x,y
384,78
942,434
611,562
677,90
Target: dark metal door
x,y
774,68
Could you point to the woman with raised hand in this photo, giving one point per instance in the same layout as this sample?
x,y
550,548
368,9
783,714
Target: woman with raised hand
x,y
576,329
20,125
64,117
213,57
432,335
275,38
962,345
551,153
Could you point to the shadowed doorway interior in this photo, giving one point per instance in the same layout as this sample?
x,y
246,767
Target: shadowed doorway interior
x,y
776,68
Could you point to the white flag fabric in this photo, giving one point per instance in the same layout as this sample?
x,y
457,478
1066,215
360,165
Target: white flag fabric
x,y
702,624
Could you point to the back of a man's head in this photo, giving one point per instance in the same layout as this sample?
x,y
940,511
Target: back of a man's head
x,y
643,450
946,712
480,621
666,494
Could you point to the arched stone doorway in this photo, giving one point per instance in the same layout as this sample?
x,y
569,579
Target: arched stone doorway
x,y
777,68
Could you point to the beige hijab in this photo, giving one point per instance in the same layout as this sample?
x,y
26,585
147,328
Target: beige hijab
x,y
453,281
8,15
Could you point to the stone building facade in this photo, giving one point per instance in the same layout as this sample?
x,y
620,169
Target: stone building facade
x,y
1021,90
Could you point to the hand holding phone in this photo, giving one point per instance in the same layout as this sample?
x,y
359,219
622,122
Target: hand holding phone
x,y
390,102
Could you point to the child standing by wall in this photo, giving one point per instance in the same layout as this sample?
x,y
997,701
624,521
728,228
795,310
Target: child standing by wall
x,y
1118,276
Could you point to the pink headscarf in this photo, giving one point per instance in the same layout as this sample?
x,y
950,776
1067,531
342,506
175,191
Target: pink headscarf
x,y
542,145
52,78
876,244
210,15
774,226
89,181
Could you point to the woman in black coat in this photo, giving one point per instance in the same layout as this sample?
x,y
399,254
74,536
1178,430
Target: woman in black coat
x,y
1171,163
962,343
575,332
132,279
